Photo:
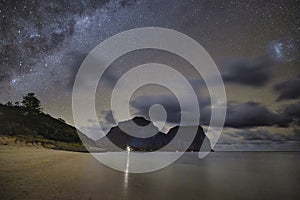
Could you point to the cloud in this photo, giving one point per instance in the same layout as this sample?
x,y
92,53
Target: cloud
x,y
252,114
297,131
243,115
253,72
93,131
256,139
293,111
170,103
289,89
260,135
73,62
108,117
91,121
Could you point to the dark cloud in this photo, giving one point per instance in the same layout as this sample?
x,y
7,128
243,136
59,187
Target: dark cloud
x,y
244,115
289,89
170,104
110,76
258,135
92,120
293,111
108,117
265,135
252,114
297,132
254,72
73,61
258,140
248,114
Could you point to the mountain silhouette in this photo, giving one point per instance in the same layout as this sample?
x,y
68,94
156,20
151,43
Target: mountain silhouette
x,y
149,138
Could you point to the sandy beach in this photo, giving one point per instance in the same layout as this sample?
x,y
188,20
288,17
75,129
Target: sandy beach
x,y
38,173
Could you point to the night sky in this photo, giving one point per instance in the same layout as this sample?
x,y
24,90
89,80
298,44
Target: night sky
x,y
255,45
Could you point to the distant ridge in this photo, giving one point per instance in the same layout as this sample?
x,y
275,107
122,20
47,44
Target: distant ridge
x,y
156,139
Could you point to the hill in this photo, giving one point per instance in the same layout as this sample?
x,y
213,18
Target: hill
x,y
37,128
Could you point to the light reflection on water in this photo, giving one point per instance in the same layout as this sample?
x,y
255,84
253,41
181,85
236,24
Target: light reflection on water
x,y
126,173
220,175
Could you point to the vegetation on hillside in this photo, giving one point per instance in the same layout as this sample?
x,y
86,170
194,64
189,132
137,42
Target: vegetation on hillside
x,y
26,122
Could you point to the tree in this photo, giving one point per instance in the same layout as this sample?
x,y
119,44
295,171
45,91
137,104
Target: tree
x,y
9,103
31,102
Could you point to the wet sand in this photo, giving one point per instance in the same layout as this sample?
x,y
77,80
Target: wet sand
x,y
38,173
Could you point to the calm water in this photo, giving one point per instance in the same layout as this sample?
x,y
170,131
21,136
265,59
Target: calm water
x,y
45,174
221,175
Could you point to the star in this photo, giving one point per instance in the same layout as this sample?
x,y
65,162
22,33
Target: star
x,y
13,80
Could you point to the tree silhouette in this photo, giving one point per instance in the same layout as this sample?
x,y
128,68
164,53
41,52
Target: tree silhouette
x,y
31,102
9,103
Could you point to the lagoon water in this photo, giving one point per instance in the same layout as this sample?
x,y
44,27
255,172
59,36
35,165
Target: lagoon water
x,y
49,174
223,175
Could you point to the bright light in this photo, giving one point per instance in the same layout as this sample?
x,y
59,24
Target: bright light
x,y
128,148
